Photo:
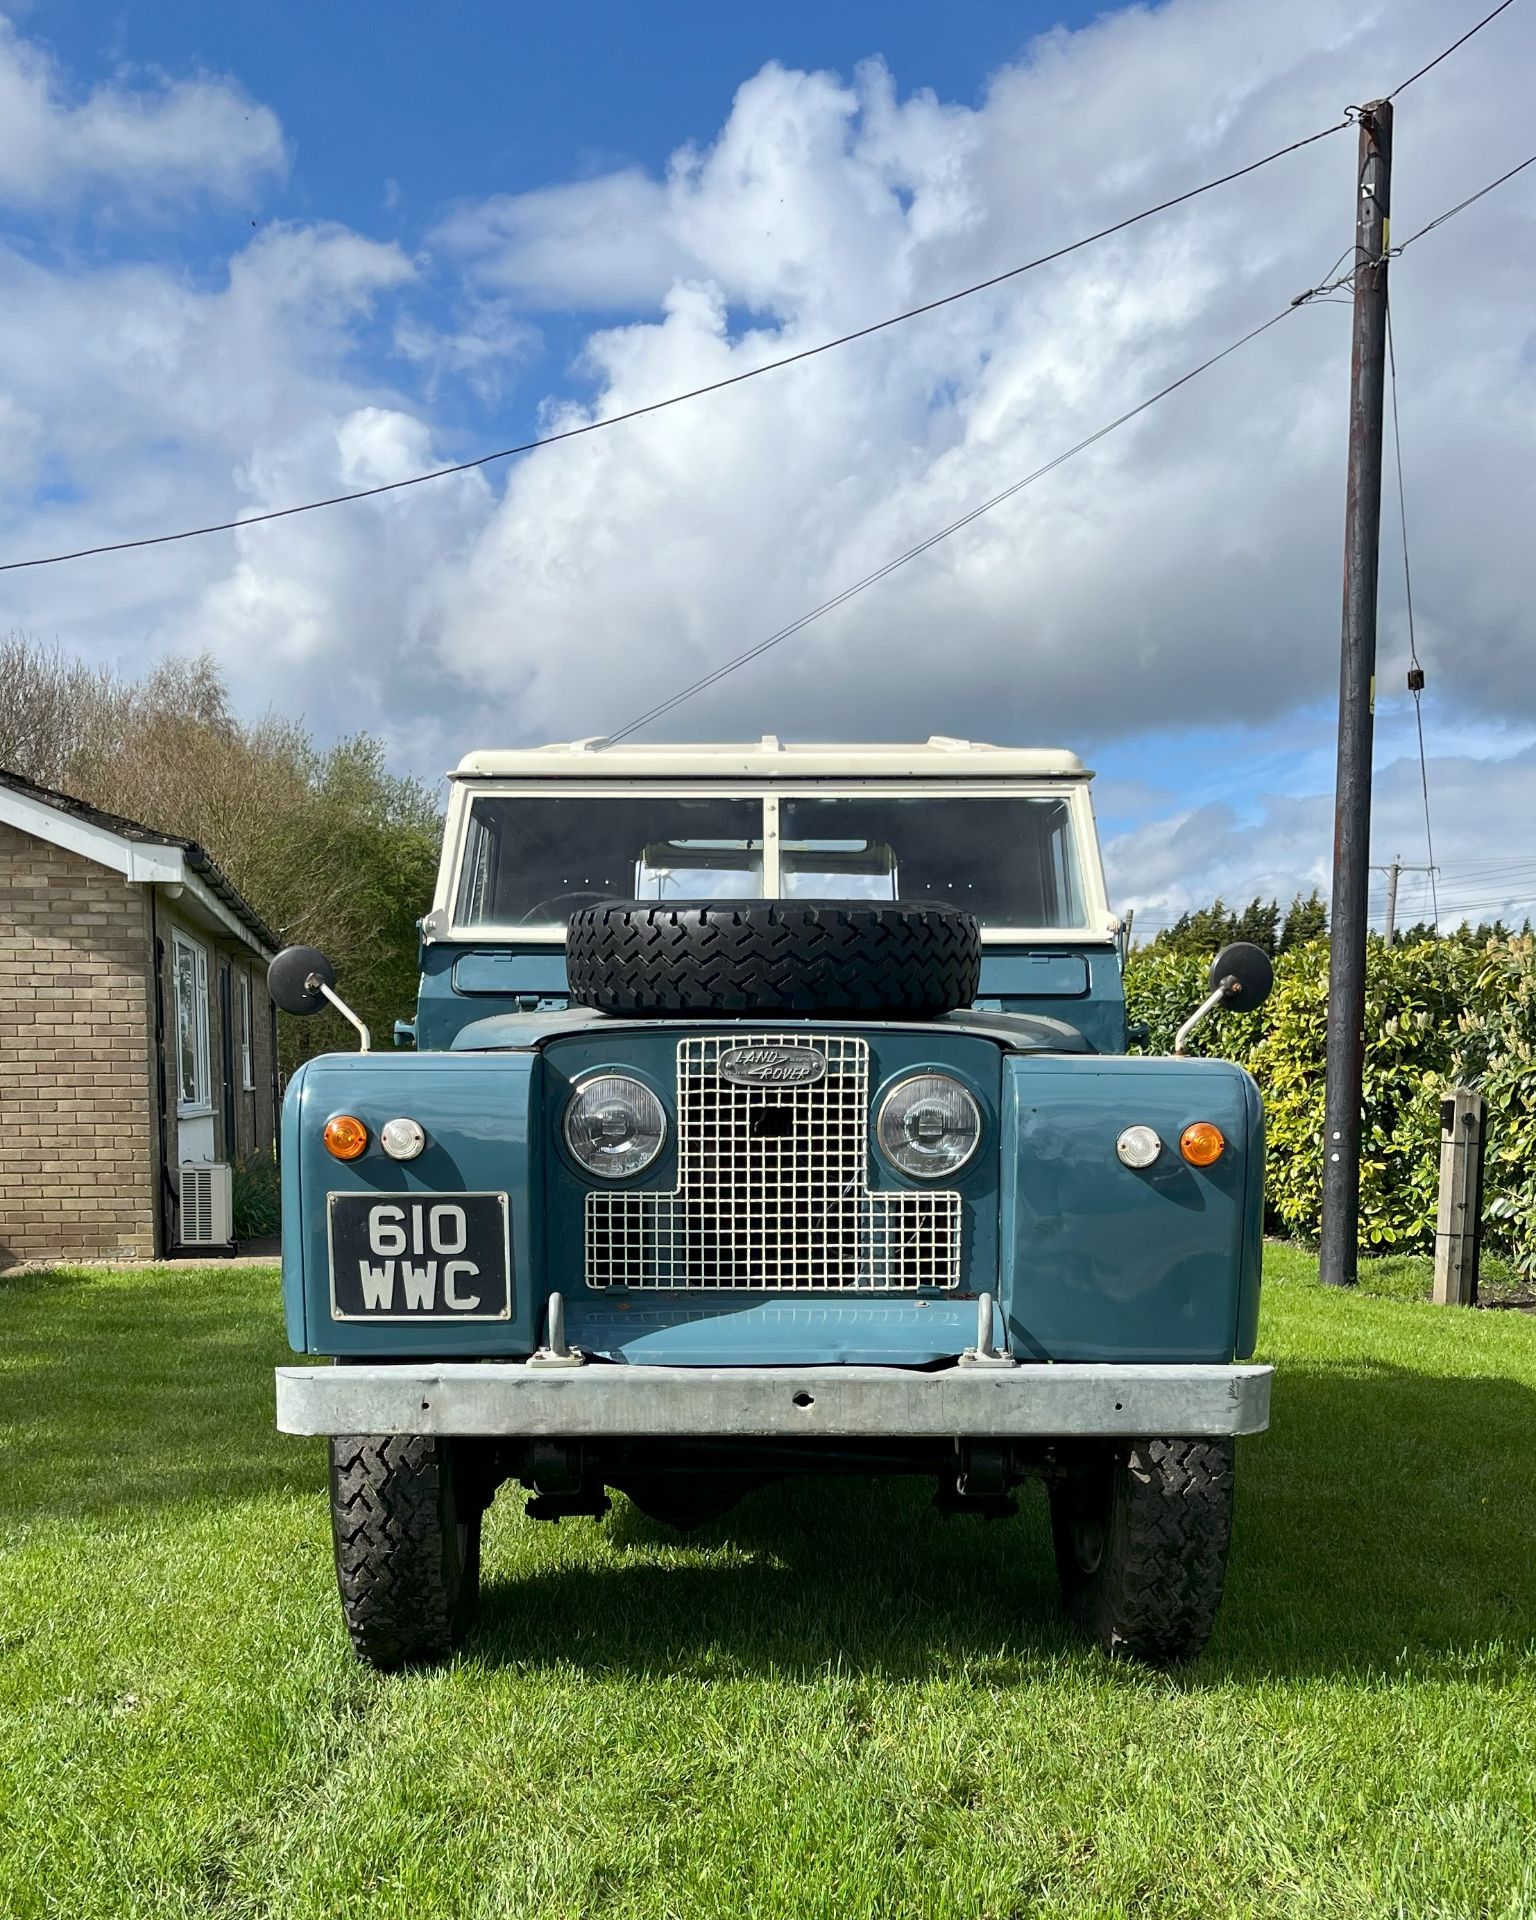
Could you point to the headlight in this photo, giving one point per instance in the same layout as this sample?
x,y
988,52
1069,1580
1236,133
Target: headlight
x,y
928,1126
614,1126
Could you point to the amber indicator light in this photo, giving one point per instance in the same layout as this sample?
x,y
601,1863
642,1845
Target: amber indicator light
x,y
345,1136
1202,1144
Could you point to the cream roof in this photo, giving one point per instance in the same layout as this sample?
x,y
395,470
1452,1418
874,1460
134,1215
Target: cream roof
x,y
769,759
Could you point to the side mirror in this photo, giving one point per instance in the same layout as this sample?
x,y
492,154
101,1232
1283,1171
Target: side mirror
x,y
1243,975
1240,978
297,979
302,981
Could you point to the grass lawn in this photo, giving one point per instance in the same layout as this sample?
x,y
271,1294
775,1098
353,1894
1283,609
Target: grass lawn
x,y
833,1703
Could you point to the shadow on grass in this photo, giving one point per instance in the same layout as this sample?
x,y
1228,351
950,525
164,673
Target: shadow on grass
x,y
1384,1523
1384,1526
141,1391
858,1574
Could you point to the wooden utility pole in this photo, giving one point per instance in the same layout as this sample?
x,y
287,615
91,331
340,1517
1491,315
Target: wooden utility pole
x,y
1394,873
1357,700
1459,1219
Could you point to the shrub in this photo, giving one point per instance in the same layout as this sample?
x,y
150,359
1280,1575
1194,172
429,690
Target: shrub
x,y
1438,1013
256,1196
1163,987
1497,1055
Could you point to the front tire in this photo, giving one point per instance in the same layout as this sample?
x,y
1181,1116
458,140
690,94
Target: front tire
x,y
1141,1536
407,1535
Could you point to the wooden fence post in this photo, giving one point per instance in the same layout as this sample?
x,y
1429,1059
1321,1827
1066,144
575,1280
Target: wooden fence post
x,y
1459,1220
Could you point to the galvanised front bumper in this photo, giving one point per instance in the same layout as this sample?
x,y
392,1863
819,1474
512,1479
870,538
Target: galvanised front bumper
x,y
492,1399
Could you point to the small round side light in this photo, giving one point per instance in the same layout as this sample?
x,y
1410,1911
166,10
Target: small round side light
x,y
345,1136
1202,1144
402,1139
1138,1146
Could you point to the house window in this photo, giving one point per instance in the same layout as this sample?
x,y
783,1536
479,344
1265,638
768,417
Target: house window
x,y
190,964
247,1056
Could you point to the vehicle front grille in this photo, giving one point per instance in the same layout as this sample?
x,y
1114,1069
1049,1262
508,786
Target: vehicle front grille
x,y
772,1188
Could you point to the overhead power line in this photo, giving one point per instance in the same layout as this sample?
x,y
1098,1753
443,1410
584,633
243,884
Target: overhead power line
x,y
923,546
692,393
1506,900
1487,872
1446,52
238,521
773,640
1462,205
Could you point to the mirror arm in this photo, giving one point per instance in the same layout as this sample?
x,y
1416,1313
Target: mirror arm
x,y
1207,1006
364,1039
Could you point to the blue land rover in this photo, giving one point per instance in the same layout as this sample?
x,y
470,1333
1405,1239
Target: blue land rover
x,y
769,1113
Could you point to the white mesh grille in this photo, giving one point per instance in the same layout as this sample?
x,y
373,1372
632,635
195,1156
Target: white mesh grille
x,y
772,1189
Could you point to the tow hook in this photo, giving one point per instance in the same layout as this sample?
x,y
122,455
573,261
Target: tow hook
x,y
986,1352
556,1350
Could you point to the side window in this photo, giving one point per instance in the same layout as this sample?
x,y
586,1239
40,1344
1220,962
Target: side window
x,y
190,969
1065,887
479,872
247,1051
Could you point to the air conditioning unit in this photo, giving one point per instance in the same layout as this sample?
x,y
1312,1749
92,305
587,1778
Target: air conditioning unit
x,y
207,1210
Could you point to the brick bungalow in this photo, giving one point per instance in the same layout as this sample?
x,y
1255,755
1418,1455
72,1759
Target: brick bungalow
x,y
136,1034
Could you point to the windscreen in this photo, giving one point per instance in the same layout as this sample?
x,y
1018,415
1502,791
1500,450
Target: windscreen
x,y
1012,861
533,860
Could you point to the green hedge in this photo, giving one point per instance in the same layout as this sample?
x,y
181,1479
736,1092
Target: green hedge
x,y
1438,1013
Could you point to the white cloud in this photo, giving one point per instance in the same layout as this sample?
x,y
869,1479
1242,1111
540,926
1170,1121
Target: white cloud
x,y
166,140
163,404
1185,571
139,378
487,345
1181,577
599,243
1272,845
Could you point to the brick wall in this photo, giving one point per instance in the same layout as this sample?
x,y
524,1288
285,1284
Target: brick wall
x,y
77,1174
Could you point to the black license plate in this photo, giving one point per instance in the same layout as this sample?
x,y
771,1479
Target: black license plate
x,y
420,1256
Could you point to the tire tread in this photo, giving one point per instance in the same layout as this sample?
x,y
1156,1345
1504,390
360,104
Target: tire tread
x,y
404,1596
1155,1594
772,956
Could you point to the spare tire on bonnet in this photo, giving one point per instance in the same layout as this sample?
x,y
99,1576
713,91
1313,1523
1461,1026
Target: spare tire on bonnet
x,y
772,956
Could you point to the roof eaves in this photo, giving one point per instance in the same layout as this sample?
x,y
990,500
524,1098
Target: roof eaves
x,y
135,831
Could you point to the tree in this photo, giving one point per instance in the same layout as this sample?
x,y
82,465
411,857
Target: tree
x,y
1201,931
54,712
327,845
1304,920
1205,931
1259,922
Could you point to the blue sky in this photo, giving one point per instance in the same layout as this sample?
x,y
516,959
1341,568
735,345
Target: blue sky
x,y
249,255
476,98
395,113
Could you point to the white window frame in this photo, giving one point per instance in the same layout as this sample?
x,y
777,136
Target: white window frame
x,y
247,1034
202,1102
1100,923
